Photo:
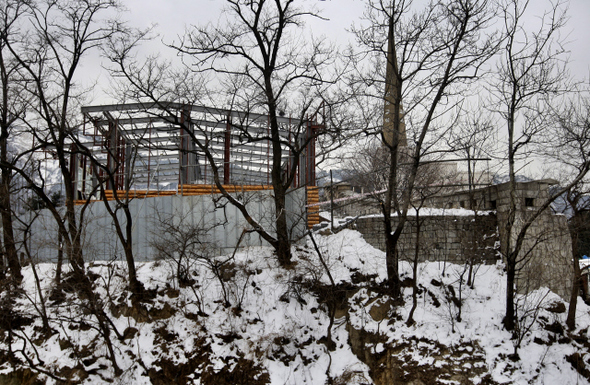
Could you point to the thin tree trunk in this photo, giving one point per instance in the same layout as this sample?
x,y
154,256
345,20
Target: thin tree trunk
x,y
134,285
571,314
280,185
391,237
510,254
391,261
577,281
410,320
43,311
2,266
60,257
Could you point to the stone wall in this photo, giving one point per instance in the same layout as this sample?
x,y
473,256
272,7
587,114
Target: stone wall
x,y
545,259
442,238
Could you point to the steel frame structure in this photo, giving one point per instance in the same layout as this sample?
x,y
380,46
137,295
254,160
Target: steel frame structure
x,y
163,146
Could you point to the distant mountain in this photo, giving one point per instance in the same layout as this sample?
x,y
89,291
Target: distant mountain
x,y
562,206
338,175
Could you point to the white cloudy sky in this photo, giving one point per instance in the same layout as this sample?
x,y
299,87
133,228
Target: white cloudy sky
x,y
173,16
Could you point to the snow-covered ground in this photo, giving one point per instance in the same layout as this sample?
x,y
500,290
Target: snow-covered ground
x,y
250,321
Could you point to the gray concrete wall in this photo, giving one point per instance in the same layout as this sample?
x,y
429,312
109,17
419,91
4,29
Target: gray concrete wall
x,y
545,259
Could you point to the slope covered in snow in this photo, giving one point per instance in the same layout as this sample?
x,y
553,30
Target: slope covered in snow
x,y
244,320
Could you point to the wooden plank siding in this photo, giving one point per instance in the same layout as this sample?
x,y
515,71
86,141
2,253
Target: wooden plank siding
x,y
313,213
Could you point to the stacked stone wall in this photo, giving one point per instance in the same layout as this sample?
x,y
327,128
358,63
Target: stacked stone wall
x,y
442,238
544,261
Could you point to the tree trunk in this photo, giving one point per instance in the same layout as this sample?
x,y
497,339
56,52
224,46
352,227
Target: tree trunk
x,y
126,240
391,261
60,257
510,255
75,254
391,237
279,183
510,317
74,230
134,285
577,281
410,320
8,236
6,212
283,248
2,267
571,313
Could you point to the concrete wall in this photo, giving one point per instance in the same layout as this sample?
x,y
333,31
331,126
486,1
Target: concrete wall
x,y
546,258
222,222
529,195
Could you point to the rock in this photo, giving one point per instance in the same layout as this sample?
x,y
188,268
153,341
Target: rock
x,y
556,307
380,310
555,327
20,377
129,333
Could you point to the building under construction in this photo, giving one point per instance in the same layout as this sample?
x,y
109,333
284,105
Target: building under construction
x,y
171,148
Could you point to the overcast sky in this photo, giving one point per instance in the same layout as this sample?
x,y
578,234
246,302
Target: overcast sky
x,y
173,16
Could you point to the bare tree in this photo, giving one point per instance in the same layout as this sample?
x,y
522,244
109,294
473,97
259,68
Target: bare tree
x,y
430,55
58,37
12,108
367,167
55,38
567,147
431,181
262,65
530,74
105,174
472,142
182,243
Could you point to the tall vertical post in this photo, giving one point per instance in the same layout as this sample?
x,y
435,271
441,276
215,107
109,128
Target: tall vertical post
x,y
128,167
310,174
189,170
227,151
120,162
182,156
111,147
331,201
84,176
